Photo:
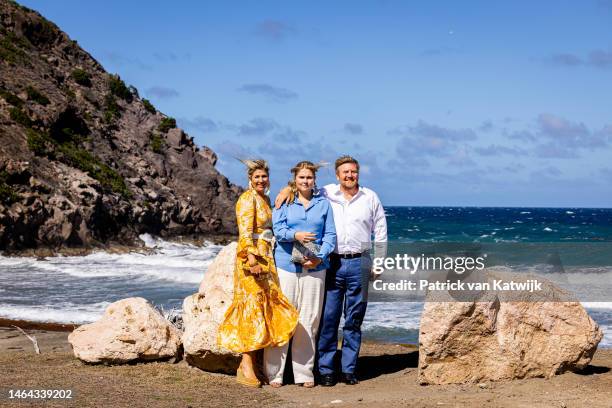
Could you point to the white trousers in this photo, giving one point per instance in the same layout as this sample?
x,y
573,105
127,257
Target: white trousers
x,y
306,291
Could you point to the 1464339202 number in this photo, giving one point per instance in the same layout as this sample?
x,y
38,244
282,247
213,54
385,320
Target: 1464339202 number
x,y
39,394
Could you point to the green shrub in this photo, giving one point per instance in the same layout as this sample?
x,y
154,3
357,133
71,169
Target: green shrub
x,y
7,194
69,93
81,77
35,95
68,152
85,161
157,143
20,116
148,106
113,180
167,124
11,98
39,143
11,48
112,110
117,87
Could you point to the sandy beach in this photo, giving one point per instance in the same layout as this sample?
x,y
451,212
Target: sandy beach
x,y
388,374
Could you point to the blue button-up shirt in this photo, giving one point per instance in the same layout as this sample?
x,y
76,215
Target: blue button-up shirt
x,y
318,218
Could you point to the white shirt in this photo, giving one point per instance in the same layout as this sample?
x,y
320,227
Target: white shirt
x,y
357,220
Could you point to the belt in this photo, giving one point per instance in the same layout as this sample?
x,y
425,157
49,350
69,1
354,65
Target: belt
x,y
347,256
266,235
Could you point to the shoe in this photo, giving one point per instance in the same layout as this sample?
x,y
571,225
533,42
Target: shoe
x,y
349,379
249,382
327,380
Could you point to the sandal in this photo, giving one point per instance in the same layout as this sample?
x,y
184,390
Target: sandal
x,y
249,382
276,384
309,384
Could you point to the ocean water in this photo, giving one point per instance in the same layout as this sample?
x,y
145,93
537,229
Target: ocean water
x,y
78,289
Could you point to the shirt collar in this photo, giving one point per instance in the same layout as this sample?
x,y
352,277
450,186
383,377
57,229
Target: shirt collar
x,y
338,193
316,197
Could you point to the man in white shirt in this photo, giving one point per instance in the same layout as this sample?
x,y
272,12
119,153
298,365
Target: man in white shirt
x,y
358,214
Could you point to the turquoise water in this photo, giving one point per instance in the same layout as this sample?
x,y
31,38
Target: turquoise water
x,y
488,224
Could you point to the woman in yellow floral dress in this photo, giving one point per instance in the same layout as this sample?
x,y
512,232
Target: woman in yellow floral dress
x,y
260,315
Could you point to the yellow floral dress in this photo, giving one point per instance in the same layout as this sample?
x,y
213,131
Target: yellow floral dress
x,y
260,315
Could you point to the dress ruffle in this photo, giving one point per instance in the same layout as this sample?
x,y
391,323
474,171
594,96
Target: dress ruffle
x,y
262,318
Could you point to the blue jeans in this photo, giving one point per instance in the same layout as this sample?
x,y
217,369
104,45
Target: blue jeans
x,y
346,287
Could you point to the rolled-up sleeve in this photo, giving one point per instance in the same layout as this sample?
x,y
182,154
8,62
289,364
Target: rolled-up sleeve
x,y
379,228
281,228
329,234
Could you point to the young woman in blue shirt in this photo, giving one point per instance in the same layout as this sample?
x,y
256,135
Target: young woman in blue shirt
x,y
308,218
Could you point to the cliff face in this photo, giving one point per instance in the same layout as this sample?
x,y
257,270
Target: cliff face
x,y
83,159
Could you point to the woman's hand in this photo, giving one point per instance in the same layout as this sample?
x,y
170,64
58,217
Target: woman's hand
x,y
255,270
254,267
311,263
304,236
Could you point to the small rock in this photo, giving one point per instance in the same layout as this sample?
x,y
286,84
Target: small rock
x,y
152,195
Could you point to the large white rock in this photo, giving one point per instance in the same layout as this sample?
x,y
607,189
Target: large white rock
x,y
203,312
130,329
503,338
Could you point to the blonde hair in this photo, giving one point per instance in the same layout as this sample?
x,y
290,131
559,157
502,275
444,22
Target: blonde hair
x,y
308,165
305,165
346,159
254,165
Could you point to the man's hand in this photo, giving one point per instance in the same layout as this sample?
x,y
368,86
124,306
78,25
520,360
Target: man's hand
x,y
283,197
311,263
304,236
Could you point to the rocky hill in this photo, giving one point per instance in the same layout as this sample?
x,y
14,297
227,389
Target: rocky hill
x,y
84,160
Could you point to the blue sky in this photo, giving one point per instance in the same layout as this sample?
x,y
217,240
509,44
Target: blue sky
x,y
443,102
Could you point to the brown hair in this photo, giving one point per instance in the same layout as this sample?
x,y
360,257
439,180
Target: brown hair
x,y
346,159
